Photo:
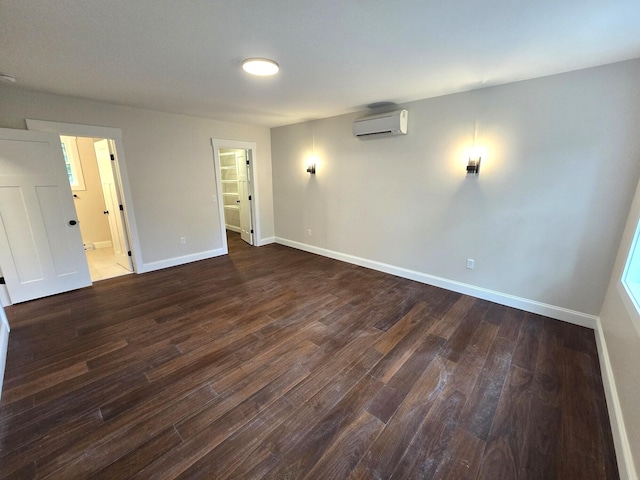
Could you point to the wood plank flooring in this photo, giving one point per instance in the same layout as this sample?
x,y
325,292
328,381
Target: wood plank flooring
x,y
271,363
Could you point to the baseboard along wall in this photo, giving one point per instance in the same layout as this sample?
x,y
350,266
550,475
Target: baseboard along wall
x,y
621,441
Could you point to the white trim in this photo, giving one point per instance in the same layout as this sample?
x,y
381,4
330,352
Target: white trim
x,y
72,156
559,313
626,466
630,304
219,196
266,241
216,144
4,344
5,300
4,321
103,244
115,134
73,129
176,261
233,228
629,284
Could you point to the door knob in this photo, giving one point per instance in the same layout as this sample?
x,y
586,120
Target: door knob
x,y
72,222
237,201
106,212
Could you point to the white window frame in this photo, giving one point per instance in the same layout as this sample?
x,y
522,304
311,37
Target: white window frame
x,y
72,155
630,281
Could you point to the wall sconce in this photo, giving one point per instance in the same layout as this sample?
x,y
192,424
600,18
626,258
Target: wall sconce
x,y
311,168
473,165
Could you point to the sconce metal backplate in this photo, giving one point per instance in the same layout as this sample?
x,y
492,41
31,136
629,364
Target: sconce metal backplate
x,y
473,167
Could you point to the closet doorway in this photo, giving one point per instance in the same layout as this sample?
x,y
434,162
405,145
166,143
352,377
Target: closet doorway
x,y
236,189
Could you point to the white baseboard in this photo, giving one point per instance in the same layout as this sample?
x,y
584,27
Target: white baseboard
x,y
552,311
233,228
103,244
621,442
626,466
174,262
266,241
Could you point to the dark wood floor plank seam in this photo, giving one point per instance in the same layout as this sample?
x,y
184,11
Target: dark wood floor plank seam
x,y
271,362
100,449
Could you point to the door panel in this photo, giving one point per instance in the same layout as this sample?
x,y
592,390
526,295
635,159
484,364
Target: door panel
x,y
41,253
34,157
20,242
59,235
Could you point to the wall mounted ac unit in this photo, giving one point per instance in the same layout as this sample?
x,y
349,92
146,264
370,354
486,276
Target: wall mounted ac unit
x,y
384,124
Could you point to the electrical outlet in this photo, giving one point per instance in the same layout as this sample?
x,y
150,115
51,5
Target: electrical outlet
x,y
470,263
183,240
309,232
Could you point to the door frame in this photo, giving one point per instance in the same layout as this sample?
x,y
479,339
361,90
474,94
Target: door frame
x,y
4,344
116,220
217,144
110,133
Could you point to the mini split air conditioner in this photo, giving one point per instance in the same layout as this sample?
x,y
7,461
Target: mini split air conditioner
x,y
385,124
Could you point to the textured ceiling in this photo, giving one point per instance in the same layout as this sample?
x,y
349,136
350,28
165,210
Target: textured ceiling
x,y
335,56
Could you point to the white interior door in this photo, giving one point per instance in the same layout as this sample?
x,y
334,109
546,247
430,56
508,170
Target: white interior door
x,y
112,202
244,196
41,250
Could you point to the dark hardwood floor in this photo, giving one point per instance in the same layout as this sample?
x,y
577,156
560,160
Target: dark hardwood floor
x,y
275,363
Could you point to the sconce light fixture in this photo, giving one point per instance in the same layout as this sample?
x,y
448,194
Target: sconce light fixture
x,y
311,168
473,165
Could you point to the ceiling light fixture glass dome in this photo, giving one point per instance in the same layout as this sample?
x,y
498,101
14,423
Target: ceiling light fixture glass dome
x,y
262,67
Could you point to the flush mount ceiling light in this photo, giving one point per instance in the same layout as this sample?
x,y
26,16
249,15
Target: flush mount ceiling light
x,y
6,78
262,67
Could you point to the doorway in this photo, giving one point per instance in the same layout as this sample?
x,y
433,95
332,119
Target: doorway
x,y
235,192
93,173
40,244
41,248
234,162
121,179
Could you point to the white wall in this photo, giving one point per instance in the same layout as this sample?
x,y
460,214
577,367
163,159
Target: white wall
x,y
623,346
543,220
170,166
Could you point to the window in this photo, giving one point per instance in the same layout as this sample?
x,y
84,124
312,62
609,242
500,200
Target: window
x,y
631,280
72,162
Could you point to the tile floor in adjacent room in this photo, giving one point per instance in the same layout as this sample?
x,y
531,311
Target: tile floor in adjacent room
x,y
102,264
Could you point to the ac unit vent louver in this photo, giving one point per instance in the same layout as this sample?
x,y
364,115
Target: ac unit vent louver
x,y
385,124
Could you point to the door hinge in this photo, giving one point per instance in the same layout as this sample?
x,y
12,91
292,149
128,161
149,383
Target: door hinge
x,y
247,162
113,157
2,282
129,253
121,208
249,197
252,230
